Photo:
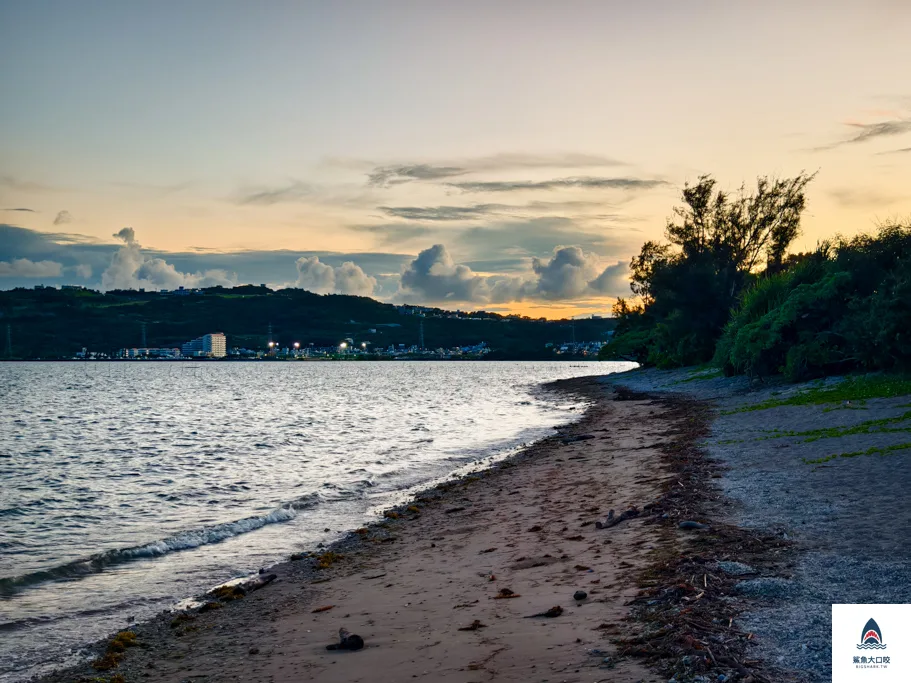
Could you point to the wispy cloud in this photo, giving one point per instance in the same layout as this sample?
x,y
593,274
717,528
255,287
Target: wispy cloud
x,y
393,234
441,213
851,197
14,183
396,174
583,182
904,150
385,176
63,217
864,132
21,209
293,191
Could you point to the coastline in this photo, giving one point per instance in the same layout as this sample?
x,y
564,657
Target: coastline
x,y
663,601
528,520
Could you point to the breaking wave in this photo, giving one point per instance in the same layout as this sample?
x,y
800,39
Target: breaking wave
x,y
180,541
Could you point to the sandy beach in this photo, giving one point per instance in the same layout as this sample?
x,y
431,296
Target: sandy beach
x,y
412,586
699,555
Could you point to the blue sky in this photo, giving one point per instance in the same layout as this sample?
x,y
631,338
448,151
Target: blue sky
x,y
539,143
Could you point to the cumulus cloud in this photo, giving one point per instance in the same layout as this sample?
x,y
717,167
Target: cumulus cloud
x,y
23,267
348,278
84,270
569,273
582,182
130,268
435,276
63,217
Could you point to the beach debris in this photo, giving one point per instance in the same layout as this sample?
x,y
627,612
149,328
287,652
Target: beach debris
x,y
253,650
258,582
327,559
689,524
210,606
297,556
554,611
581,568
228,593
580,595
487,550
347,641
181,618
375,576
536,527
614,521
390,514
324,608
473,626
456,509
735,568
504,594
116,646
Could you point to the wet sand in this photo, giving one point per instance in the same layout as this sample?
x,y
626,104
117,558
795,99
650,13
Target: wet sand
x,y
409,585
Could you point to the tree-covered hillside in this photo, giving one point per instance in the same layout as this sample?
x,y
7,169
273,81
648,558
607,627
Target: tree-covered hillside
x,y
52,323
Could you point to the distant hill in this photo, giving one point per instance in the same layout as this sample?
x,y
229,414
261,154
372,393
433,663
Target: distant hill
x,y
54,323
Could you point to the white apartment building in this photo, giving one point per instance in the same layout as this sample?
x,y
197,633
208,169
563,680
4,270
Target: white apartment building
x,y
209,345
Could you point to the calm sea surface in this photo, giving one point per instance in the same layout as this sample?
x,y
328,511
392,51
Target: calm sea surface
x,y
127,487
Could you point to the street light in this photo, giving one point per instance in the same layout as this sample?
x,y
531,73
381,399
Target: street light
x,y
297,345
343,346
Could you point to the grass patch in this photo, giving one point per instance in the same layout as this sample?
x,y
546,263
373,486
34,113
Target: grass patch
x,y
875,450
859,388
700,375
866,427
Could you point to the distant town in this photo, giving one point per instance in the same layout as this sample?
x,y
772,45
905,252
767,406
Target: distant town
x,y
252,322
215,345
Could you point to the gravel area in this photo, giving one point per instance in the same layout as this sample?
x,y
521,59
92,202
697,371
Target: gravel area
x,y
850,517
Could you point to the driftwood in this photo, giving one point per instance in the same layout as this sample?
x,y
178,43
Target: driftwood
x,y
257,582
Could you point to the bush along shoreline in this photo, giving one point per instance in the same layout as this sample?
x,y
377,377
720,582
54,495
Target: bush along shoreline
x,y
723,290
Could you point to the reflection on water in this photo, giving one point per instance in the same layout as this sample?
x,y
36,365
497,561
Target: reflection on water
x,y
129,486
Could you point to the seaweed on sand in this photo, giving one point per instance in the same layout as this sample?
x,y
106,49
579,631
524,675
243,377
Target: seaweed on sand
x,y
687,605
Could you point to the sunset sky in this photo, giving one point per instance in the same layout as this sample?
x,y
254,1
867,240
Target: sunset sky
x,y
503,155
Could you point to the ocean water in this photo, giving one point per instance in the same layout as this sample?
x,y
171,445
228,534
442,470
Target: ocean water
x,y
126,487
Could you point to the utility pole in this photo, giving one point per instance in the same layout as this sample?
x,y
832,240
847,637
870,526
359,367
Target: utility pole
x,y
144,344
421,336
574,330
